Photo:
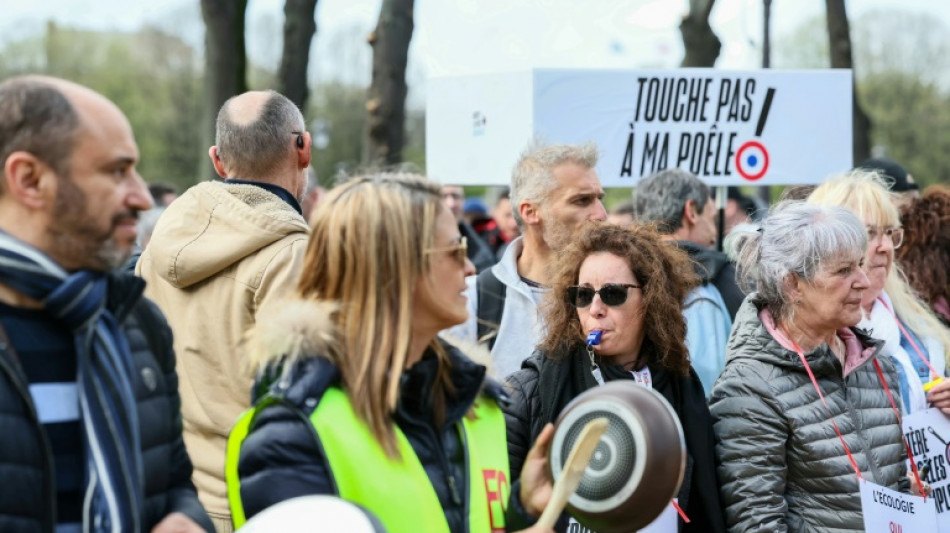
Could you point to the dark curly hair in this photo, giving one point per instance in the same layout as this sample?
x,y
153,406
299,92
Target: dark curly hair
x,y
665,272
925,254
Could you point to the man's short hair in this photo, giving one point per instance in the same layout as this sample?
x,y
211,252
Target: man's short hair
x,y
254,150
533,176
662,197
36,117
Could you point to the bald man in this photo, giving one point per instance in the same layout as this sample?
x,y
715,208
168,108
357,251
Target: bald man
x,y
90,437
218,254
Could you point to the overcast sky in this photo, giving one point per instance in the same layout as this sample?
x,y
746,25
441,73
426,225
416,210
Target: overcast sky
x,y
466,36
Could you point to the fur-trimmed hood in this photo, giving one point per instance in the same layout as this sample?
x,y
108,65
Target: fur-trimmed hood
x,y
291,329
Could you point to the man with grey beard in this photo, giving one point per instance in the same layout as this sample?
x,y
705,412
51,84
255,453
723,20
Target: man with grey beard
x,y
91,429
554,190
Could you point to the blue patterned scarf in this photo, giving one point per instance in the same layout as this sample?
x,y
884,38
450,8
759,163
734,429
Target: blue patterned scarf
x,y
114,486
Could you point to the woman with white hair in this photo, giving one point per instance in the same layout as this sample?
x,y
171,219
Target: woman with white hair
x,y
913,336
790,459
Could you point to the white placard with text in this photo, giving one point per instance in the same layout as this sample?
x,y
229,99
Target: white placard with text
x,y
928,434
752,127
889,511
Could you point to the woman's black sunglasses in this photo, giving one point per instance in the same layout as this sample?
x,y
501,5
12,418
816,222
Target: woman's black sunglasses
x,y
612,294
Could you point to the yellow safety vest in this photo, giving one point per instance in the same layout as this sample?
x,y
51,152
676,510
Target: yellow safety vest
x,y
398,492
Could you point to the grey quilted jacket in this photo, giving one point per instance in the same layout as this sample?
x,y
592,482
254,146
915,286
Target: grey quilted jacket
x,y
782,466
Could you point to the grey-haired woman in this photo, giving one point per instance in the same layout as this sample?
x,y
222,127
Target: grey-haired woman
x,y
783,467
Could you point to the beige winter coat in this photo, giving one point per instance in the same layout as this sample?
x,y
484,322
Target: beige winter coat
x,y
218,253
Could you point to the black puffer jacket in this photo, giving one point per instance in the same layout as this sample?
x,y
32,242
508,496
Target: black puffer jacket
x,y
282,459
28,491
543,387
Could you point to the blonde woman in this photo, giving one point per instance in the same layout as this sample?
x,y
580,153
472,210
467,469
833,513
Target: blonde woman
x,y
912,334
366,402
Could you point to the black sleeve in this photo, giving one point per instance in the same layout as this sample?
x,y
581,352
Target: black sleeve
x,y
705,507
523,423
281,459
518,418
516,518
728,287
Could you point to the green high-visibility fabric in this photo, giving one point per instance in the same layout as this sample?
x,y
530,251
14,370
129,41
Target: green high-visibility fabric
x,y
398,492
233,453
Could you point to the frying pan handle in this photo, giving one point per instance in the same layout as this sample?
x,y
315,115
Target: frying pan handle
x,y
573,471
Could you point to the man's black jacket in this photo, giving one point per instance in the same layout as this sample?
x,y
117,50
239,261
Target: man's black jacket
x,y
28,490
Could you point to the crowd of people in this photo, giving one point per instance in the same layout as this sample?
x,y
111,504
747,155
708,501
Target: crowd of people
x,y
185,361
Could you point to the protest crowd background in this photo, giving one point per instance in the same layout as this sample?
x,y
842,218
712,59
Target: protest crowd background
x,y
239,295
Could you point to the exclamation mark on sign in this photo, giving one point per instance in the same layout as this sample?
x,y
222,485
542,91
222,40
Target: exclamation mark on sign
x,y
752,159
765,112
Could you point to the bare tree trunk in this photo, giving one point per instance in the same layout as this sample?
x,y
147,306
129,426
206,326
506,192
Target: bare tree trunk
x,y
385,106
225,61
299,27
702,45
839,35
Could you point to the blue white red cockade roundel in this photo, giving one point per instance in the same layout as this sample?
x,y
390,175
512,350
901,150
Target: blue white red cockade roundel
x,y
752,160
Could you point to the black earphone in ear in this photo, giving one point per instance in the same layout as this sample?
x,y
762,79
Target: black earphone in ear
x,y
299,140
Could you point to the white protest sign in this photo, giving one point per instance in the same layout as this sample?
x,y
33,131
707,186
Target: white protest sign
x,y
889,511
928,435
759,127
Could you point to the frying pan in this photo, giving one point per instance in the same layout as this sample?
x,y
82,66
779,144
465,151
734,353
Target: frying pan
x,y
638,465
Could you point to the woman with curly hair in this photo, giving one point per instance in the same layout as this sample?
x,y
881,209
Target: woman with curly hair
x,y
629,284
926,251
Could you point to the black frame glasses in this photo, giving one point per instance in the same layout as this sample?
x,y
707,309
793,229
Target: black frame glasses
x,y
612,294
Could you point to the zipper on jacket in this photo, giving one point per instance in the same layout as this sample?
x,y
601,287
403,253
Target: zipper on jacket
x,y
456,499
24,392
447,466
859,430
447,469
463,436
